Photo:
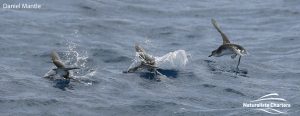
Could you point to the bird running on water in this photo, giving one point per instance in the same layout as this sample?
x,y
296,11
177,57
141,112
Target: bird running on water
x,y
60,69
227,48
146,62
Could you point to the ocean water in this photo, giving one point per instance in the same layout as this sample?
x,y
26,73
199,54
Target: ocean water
x,y
99,37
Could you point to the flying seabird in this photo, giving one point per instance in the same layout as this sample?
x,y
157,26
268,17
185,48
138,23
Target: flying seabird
x,y
227,48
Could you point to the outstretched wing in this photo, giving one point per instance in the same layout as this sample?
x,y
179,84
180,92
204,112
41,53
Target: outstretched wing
x,y
237,51
56,60
133,69
149,66
70,68
138,48
143,55
224,37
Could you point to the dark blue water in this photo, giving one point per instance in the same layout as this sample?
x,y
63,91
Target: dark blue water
x,y
99,36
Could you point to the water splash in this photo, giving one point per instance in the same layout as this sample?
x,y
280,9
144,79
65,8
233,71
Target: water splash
x,y
172,60
75,57
79,58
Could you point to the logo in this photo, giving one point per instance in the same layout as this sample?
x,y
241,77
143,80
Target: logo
x,y
270,103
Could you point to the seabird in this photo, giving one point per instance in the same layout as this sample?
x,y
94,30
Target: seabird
x,y
227,48
146,62
61,70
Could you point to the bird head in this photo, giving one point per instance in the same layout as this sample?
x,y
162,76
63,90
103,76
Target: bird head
x,y
213,53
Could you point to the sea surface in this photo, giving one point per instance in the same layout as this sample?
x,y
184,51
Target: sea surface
x,y
98,36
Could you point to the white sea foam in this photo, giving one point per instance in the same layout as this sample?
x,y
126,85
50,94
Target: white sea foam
x,y
172,60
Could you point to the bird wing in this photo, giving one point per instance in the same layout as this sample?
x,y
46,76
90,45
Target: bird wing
x,y
237,51
149,66
143,55
70,68
224,37
133,69
54,56
138,48
56,60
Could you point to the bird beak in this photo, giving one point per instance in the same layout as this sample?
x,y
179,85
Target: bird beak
x,y
210,55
